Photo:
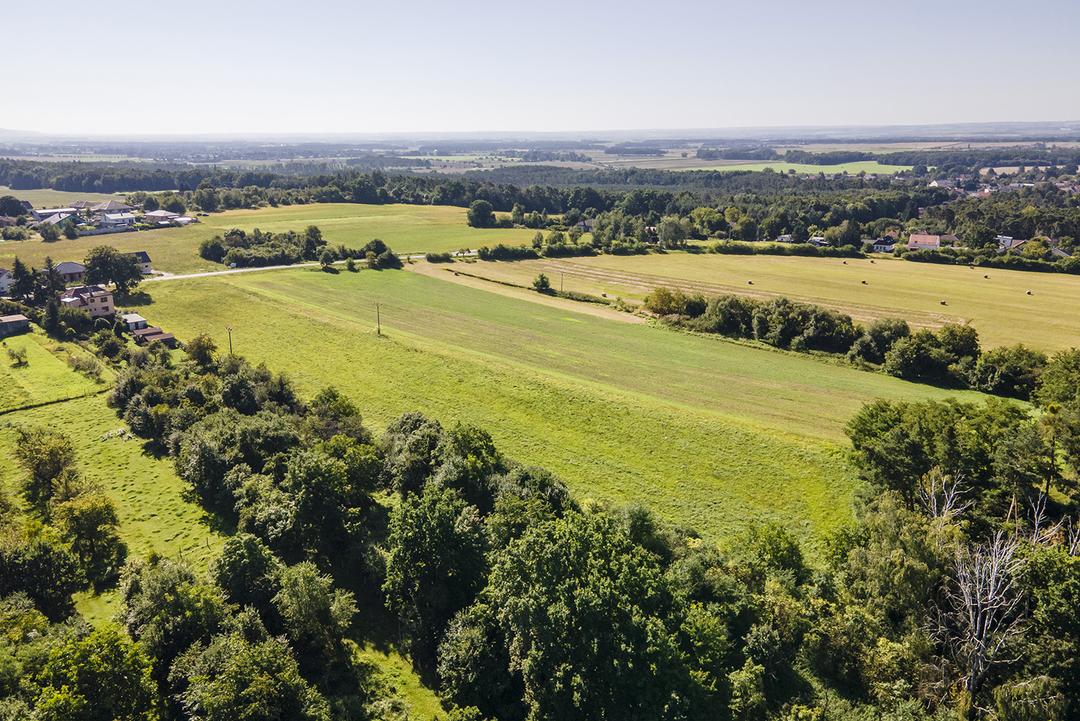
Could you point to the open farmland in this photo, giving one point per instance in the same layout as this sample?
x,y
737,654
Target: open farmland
x,y
853,168
48,198
710,434
998,306
405,228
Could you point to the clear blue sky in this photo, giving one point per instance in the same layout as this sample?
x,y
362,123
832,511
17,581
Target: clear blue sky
x,y
424,65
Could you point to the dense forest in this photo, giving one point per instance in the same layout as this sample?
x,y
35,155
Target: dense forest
x,y
952,593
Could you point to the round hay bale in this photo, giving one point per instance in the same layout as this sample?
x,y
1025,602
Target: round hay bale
x,y
1030,293
863,282
943,302
749,282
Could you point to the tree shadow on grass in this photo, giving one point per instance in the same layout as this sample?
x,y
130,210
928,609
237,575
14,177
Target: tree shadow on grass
x,y
135,299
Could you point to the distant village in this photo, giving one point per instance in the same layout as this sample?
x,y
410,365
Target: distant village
x,y
95,300
110,216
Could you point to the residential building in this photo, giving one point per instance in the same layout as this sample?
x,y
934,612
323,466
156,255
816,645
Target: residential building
x,y
117,220
58,218
8,221
94,299
13,325
134,321
818,240
785,238
923,241
71,271
1005,243
884,245
111,207
43,213
161,216
143,259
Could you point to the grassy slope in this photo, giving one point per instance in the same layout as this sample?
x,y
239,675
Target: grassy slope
x,y
405,228
708,433
154,515
157,517
45,378
998,306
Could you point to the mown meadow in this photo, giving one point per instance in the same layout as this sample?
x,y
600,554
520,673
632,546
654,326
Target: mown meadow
x,y
996,302
711,434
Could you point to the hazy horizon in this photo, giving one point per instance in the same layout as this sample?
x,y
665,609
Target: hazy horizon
x,y
427,67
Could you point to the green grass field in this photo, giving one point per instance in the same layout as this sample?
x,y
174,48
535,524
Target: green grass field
x,y
405,228
154,514
999,306
708,433
46,377
47,198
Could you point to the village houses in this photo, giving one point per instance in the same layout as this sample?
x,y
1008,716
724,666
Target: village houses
x,y
94,299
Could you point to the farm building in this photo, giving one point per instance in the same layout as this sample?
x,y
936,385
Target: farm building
x,y
59,218
70,271
153,334
45,213
94,299
134,321
13,325
923,241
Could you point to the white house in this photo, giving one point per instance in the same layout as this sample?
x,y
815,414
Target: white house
x,y
143,259
883,245
118,220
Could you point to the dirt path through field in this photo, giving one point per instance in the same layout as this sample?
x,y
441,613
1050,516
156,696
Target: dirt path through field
x,y
444,272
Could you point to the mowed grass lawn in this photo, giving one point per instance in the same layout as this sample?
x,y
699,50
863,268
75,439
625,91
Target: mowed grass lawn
x,y
999,306
46,377
405,228
710,434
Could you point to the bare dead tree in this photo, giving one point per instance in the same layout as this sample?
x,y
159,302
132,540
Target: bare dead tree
x,y
982,609
942,496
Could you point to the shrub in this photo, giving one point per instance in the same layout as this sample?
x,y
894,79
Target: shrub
x,y
439,258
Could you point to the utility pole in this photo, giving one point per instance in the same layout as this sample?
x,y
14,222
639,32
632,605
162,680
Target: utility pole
x,y
378,320
228,328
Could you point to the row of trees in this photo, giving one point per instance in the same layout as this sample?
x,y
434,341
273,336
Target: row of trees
x,y
950,355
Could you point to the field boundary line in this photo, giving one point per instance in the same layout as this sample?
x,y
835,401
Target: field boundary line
x,y
43,404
